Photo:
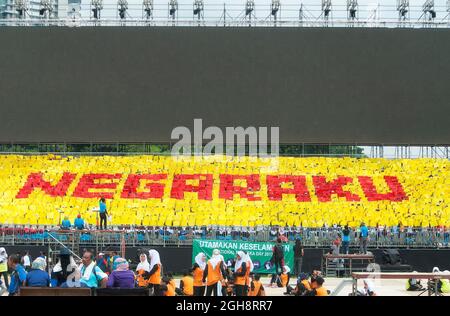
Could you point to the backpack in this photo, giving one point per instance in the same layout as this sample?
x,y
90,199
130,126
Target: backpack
x,y
279,252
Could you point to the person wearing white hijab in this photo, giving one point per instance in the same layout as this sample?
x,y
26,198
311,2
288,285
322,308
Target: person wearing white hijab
x,y
197,270
249,260
4,266
214,273
142,270
241,273
154,280
285,277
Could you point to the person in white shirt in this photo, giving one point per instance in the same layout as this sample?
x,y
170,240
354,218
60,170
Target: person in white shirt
x,y
4,267
27,261
368,289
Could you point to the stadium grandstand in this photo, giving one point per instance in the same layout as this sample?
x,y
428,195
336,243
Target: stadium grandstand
x,y
356,185
161,191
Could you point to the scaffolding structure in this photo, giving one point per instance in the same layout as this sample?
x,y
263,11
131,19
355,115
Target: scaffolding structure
x,y
248,13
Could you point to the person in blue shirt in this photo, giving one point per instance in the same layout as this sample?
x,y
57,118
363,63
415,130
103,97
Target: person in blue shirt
x,y
102,263
66,223
103,212
115,256
38,277
18,276
363,235
79,222
91,275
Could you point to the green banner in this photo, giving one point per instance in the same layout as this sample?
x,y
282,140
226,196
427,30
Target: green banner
x,y
260,252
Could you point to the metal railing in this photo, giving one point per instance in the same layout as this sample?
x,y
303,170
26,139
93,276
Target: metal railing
x,y
216,23
177,237
286,150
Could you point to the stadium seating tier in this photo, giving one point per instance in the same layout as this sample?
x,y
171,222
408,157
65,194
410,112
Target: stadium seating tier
x,y
234,191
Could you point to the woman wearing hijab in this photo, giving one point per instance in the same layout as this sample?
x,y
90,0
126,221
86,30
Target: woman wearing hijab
x,y
214,273
122,277
4,266
142,271
241,274
38,277
154,275
251,267
197,270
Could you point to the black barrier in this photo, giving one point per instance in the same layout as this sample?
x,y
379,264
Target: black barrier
x,y
319,85
34,251
177,259
174,259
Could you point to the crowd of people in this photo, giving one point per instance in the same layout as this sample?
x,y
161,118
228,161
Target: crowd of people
x,y
206,277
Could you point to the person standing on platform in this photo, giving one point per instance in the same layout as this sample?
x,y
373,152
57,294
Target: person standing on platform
x,y
345,240
363,236
103,213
